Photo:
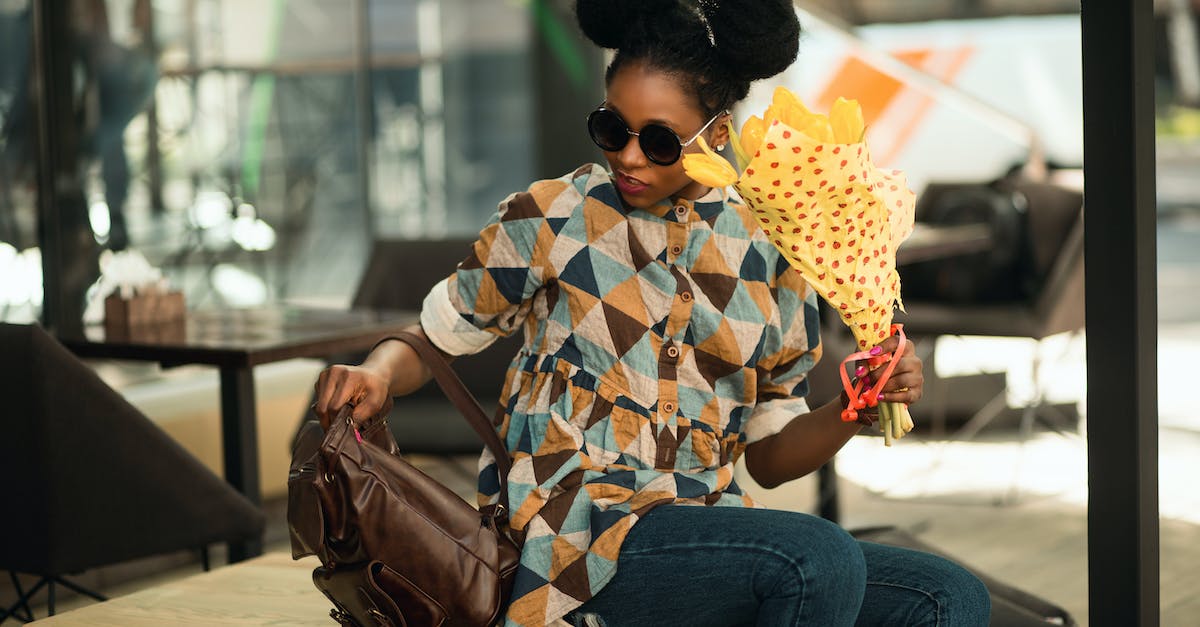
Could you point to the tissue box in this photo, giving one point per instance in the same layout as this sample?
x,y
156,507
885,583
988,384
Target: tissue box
x,y
156,315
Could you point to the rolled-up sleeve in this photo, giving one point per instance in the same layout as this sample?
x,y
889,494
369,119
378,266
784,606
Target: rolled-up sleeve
x,y
491,292
794,346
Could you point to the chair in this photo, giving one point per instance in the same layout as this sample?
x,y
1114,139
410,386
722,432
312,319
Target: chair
x,y
92,481
1051,276
1044,260
399,274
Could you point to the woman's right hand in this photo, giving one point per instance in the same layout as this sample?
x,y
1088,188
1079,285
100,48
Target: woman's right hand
x,y
361,386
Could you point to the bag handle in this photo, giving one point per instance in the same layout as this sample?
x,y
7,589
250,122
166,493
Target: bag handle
x,y
463,400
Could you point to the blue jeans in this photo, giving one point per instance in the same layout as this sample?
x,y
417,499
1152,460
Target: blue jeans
x,y
695,566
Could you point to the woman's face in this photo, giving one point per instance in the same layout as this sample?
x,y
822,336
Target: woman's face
x,y
641,95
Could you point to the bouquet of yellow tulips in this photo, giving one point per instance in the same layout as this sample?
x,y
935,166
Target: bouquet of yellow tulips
x,y
837,218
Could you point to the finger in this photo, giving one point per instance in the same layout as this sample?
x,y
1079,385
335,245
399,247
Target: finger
x,y
326,383
908,397
907,394
346,391
888,345
902,366
908,364
367,405
908,380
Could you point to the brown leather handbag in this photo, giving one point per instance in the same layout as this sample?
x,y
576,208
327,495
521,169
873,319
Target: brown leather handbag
x,y
397,547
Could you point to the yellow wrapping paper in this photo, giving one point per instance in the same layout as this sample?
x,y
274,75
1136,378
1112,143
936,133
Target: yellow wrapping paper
x,y
838,219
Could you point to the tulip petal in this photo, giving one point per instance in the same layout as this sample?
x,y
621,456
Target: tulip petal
x,y
815,126
738,154
752,135
846,118
788,108
707,168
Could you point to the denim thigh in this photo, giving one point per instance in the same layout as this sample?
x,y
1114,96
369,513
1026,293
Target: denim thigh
x,y
907,587
719,566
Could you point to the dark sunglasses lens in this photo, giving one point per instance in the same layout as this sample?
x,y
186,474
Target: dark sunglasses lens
x,y
660,144
608,130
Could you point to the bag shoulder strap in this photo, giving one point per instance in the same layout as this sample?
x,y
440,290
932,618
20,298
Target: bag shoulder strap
x,y
463,400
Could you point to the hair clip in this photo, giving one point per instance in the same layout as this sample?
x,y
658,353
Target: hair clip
x,y
712,40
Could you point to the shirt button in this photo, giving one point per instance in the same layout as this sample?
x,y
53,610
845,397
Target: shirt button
x,y
676,249
668,407
672,352
680,210
686,297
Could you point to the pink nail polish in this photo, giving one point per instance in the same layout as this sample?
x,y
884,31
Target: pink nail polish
x,y
861,371
876,351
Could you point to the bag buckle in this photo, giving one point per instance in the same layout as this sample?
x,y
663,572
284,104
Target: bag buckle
x,y
492,513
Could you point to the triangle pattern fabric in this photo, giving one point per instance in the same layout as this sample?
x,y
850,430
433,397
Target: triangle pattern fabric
x,y
640,368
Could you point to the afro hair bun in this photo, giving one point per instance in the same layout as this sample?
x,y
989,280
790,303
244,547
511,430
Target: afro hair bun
x,y
751,39
754,38
717,47
608,23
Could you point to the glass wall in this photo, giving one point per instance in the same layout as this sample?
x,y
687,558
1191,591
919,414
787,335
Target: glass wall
x,y
254,149
20,263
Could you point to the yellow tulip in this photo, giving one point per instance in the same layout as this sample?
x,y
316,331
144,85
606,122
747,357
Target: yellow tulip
x,y
815,126
846,118
753,132
707,168
787,108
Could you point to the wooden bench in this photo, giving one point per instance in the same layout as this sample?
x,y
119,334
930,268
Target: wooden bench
x,y
270,590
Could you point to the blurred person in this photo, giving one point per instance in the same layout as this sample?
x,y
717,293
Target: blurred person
x,y
124,74
118,83
665,336
15,35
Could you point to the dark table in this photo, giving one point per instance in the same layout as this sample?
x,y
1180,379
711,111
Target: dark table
x,y
929,242
236,340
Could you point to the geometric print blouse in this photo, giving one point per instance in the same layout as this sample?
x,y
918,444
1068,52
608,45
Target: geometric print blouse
x,y
659,342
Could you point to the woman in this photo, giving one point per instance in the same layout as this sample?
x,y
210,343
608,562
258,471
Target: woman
x,y
664,338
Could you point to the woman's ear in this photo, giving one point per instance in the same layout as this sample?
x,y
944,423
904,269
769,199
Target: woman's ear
x,y
720,132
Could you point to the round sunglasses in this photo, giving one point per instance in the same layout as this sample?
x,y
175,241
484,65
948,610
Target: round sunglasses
x,y
658,142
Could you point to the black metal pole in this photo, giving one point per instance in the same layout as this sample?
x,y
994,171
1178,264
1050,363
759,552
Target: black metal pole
x,y
364,109
154,172
68,246
1118,116
239,436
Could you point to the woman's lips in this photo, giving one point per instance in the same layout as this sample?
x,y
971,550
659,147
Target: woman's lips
x,y
629,185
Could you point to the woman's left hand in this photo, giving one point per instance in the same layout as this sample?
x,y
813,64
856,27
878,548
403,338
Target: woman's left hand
x,y
907,381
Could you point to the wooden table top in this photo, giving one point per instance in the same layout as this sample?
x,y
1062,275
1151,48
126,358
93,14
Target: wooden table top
x,y
246,337
270,590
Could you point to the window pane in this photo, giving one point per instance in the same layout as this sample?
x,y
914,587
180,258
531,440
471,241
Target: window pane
x,y
236,146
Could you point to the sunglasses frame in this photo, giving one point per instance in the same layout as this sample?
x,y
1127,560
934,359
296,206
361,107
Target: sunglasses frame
x,y
638,134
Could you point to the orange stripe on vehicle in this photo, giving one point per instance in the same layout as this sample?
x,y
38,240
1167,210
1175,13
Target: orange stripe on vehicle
x,y
873,89
958,58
